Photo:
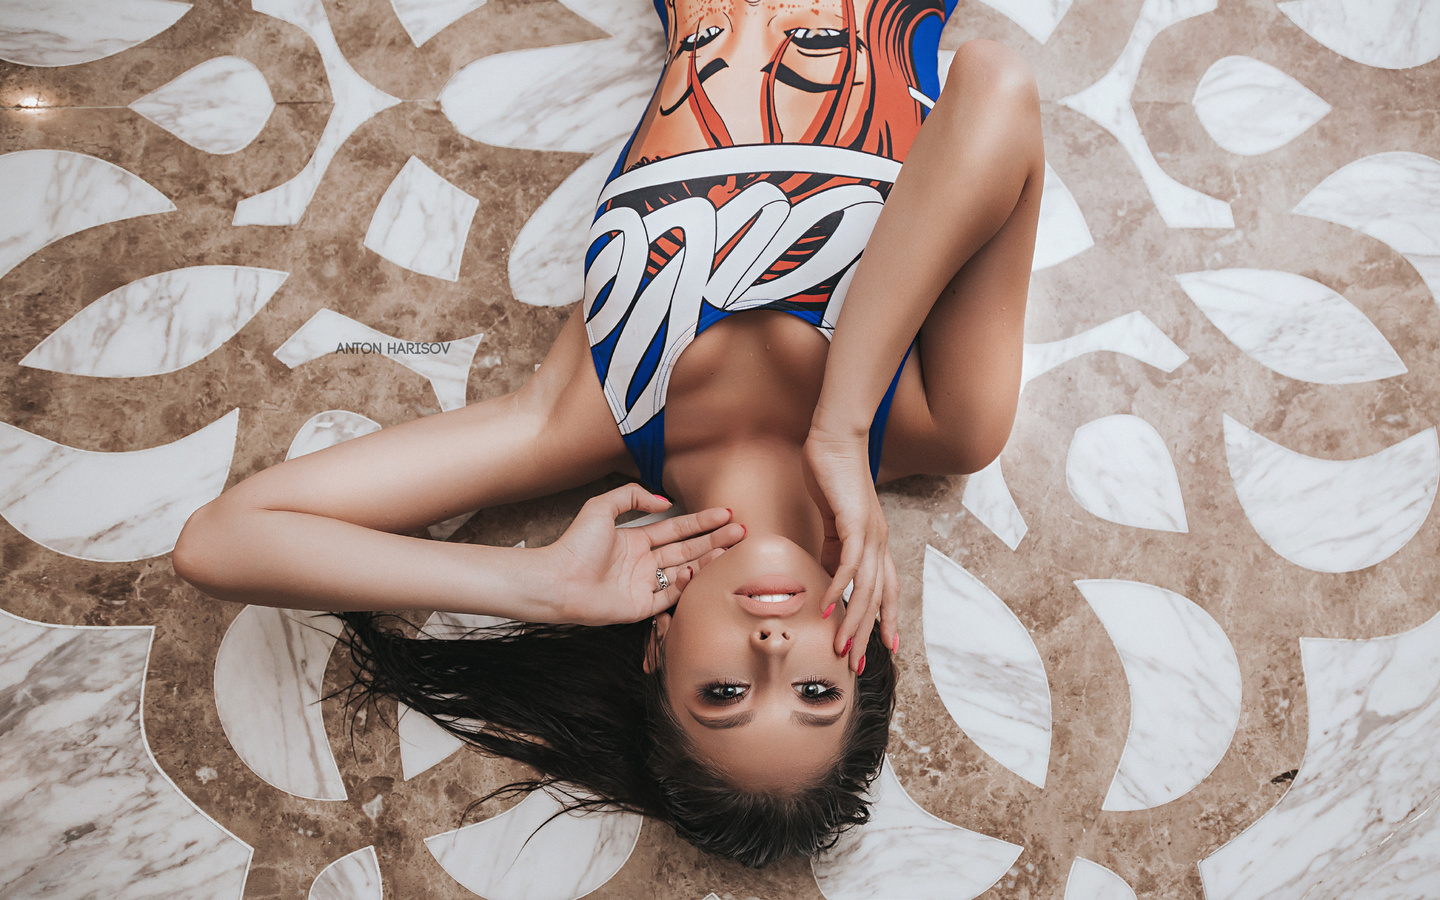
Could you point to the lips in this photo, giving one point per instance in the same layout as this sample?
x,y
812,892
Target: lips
x,y
771,596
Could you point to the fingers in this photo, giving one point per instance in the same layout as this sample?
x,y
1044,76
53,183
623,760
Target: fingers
x,y
890,607
875,592
626,498
844,571
669,531
679,578
696,547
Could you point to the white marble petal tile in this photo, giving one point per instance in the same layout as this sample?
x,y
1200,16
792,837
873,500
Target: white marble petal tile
x,y
1037,17
1107,104
988,499
578,97
423,19
111,507
905,851
620,19
547,259
1092,881
1389,34
1249,107
1405,867
507,858
986,669
1393,197
326,429
1132,334
88,811
1119,469
423,743
158,324
219,106
1293,325
445,364
355,876
1362,812
421,222
1333,515
1184,684
356,101
68,32
51,194
1062,232
268,673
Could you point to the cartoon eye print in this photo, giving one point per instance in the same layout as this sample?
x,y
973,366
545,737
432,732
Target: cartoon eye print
x,y
693,42
818,38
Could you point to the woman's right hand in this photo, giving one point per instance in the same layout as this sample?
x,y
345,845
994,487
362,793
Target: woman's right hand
x,y
602,574
857,541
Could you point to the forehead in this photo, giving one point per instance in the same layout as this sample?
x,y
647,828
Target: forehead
x,y
769,754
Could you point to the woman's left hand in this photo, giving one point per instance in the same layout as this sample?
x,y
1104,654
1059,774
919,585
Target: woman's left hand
x,y
604,574
856,551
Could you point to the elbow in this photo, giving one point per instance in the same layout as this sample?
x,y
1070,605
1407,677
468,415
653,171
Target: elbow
x,y
199,556
973,448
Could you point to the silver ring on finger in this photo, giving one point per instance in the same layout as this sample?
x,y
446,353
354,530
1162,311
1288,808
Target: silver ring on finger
x,y
661,581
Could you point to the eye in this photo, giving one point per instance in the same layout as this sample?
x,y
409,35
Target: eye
x,y
695,41
818,38
722,693
817,691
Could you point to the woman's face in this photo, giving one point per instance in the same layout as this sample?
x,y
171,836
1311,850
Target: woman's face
x,y
751,669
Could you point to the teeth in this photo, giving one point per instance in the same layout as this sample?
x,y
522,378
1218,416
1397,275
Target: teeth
x,y
771,598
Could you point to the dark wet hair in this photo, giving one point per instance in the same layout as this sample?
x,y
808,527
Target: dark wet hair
x,y
574,704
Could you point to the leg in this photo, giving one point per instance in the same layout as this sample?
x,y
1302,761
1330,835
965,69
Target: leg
x,y
981,153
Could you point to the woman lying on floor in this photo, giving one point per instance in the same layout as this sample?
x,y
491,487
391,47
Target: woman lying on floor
x,y
704,669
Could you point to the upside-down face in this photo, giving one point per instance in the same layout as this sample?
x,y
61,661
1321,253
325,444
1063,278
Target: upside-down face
x,y
751,669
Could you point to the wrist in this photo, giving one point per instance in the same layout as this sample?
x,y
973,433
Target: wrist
x,y
515,583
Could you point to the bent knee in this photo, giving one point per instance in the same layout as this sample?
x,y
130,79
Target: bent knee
x,y
988,70
962,450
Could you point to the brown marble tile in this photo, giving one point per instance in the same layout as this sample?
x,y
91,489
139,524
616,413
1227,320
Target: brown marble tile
x,y
1263,603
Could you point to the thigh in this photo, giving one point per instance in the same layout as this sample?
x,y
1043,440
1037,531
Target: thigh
x,y
556,432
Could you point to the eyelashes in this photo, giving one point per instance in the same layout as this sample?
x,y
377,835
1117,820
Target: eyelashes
x,y
819,38
813,39
728,693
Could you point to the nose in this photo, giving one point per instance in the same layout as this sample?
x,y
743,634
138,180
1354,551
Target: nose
x,y
771,638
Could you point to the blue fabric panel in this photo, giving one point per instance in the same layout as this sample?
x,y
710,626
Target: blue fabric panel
x,y
647,448
925,48
882,415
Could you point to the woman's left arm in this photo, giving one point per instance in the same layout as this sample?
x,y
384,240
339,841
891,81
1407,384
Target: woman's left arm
x,y
962,181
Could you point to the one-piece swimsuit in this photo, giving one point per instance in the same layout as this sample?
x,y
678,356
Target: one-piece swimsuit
x,y
694,225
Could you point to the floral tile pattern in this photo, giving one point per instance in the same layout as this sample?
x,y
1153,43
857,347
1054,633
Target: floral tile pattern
x,y
1177,641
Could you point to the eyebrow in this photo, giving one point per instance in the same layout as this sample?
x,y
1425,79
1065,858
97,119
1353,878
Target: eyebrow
x,y
813,720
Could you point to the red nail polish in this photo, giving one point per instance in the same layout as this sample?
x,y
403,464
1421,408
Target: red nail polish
x,y
860,669
848,642
658,497
895,644
828,610
744,531
730,511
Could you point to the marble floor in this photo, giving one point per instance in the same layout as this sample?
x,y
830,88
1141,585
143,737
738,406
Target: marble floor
x,y
1182,640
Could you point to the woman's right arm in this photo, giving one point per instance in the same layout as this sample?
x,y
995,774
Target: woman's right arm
x,y
327,530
